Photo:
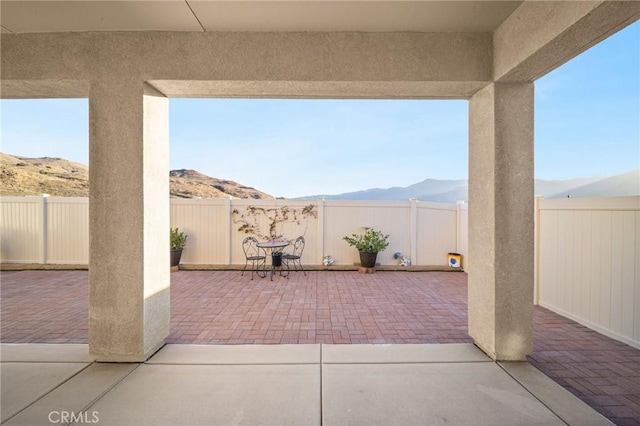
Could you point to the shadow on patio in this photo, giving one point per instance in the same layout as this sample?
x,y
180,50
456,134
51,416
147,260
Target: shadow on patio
x,y
221,307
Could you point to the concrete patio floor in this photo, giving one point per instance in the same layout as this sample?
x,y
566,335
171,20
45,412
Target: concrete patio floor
x,y
305,384
221,307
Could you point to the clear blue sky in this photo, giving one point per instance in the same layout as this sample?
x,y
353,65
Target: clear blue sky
x,y
587,124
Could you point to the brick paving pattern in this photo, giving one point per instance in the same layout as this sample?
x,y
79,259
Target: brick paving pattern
x,y
601,371
44,307
323,307
222,307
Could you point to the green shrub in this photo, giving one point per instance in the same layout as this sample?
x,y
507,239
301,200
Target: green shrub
x,y
178,239
371,241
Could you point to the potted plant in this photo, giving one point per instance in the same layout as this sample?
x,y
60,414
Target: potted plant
x,y
368,244
178,241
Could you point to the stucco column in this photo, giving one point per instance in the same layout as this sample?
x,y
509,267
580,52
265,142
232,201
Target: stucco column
x,y
129,221
501,234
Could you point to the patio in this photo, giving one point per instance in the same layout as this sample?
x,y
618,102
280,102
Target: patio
x,y
223,308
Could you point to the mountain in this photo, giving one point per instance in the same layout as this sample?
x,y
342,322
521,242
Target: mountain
x,y
550,187
450,191
190,184
622,185
63,178
444,191
59,177
32,176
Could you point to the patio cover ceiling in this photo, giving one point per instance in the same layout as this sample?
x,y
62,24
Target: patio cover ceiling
x,y
279,16
313,48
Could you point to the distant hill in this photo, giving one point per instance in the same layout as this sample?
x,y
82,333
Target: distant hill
x,y
445,191
450,191
33,176
551,187
190,184
63,178
59,177
623,185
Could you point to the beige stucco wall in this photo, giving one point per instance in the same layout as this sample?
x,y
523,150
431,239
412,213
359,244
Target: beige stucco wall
x,y
536,38
540,36
325,57
501,215
129,217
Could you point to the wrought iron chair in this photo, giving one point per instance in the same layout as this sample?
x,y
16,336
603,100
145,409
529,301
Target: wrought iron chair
x,y
294,258
252,254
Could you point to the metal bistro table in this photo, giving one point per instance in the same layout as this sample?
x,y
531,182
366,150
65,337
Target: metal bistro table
x,y
275,247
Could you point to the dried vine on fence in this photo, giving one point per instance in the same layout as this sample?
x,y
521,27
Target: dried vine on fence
x,y
276,217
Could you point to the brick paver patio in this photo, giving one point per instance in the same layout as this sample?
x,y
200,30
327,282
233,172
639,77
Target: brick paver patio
x,y
222,307
601,371
323,307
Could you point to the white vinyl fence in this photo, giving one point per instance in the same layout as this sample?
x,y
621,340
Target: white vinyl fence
x,y
424,232
55,230
23,227
589,263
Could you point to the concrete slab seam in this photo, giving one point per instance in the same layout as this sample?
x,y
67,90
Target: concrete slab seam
x,y
50,390
108,389
531,393
47,362
402,362
233,364
321,382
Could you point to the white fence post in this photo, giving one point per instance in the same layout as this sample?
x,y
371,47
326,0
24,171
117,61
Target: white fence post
x,y
536,253
320,232
44,236
458,225
413,234
227,230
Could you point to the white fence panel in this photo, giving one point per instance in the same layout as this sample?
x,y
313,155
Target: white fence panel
x,y
67,230
343,218
463,231
629,282
595,269
548,275
22,230
437,233
205,222
589,269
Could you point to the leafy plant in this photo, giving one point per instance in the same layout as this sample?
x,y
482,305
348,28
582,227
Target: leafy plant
x,y
178,239
371,241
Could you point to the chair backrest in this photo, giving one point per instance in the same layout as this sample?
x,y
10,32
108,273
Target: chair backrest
x,y
298,246
250,247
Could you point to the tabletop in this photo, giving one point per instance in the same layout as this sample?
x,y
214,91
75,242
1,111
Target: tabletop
x,y
273,244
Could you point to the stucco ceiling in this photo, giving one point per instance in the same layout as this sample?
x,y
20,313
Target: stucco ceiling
x,y
310,15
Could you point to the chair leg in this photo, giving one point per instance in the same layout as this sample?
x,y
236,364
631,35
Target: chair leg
x,y
246,262
262,263
297,266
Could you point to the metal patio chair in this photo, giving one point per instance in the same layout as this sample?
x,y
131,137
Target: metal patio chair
x,y
294,258
252,254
